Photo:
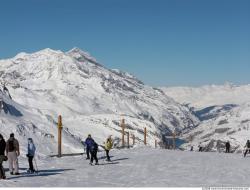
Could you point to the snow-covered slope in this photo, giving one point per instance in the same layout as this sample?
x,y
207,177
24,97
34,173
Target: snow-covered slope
x,y
90,98
141,167
26,123
224,112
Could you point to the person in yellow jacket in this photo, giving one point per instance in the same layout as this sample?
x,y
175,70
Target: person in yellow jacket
x,y
108,146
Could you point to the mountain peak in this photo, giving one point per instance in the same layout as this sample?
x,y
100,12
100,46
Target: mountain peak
x,y
49,51
80,55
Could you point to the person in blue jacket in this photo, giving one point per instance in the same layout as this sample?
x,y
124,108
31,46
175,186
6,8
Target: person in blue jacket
x,y
31,154
88,142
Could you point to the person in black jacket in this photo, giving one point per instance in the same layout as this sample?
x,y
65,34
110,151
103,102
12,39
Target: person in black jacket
x,y
93,152
2,156
88,142
227,147
247,148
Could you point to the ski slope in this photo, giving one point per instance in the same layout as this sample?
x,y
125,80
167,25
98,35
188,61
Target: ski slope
x,y
139,167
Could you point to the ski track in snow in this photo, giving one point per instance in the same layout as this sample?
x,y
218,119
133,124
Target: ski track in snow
x,y
140,167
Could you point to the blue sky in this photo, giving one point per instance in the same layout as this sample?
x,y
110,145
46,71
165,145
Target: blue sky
x,y
162,42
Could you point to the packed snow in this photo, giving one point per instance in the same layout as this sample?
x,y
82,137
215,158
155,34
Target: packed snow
x,y
138,167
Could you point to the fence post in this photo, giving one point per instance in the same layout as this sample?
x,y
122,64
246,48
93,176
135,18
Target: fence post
x,y
145,136
133,139
123,132
59,136
128,138
155,143
174,140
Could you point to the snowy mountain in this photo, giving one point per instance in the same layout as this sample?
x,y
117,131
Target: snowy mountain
x,y
223,111
25,123
91,99
210,95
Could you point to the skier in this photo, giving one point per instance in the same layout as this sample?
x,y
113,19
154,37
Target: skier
x,y
192,148
12,150
2,156
93,152
200,148
108,146
227,147
247,148
88,142
31,154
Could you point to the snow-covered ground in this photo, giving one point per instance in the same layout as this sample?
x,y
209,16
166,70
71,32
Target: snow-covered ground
x,y
139,167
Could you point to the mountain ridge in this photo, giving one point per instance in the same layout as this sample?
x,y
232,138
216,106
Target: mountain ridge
x,y
90,97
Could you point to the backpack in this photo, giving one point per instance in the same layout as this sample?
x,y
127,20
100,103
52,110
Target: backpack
x,y
94,147
11,146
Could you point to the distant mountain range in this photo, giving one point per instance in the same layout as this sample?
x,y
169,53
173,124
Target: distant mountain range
x,y
223,111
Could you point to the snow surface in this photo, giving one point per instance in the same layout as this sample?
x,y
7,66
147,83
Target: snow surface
x,y
139,167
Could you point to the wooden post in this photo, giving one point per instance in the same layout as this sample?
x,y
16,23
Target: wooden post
x,y
145,136
59,136
123,132
174,140
128,138
155,143
133,139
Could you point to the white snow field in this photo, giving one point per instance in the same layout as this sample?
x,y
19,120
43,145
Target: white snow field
x,y
139,167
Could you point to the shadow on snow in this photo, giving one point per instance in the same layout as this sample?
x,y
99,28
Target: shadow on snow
x,y
48,172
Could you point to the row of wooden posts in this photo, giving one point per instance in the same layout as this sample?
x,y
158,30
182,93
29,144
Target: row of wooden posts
x,y
133,136
123,136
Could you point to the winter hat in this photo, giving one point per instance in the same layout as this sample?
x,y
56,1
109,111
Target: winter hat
x,y
12,135
1,136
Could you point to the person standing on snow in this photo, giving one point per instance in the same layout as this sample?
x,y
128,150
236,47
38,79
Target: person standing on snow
x,y
227,147
93,152
12,150
2,156
108,145
31,154
247,148
200,148
88,142
192,148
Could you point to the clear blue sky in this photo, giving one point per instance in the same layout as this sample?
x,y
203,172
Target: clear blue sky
x,y
162,42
